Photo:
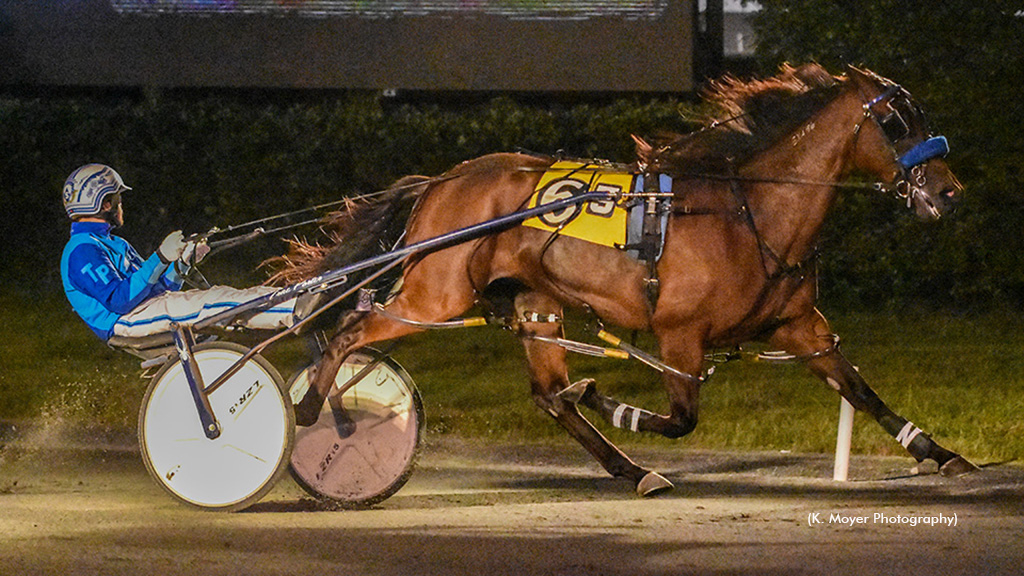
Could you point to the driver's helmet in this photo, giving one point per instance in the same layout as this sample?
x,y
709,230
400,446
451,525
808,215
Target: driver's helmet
x,y
86,188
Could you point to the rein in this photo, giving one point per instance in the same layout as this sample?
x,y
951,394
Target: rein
x,y
875,186
259,231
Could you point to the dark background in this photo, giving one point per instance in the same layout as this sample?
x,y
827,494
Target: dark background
x,y
201,145
89,43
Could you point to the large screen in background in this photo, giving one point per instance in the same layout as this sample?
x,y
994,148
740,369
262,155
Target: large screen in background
x,y
559,9
515,45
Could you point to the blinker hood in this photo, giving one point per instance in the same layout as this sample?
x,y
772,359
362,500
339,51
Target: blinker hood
x,y
934,147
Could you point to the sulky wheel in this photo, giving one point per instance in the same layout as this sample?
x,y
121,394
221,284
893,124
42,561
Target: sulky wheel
x,y
373,455
236,469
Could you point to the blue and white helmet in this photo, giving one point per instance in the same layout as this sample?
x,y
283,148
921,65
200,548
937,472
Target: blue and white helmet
x,y
86,188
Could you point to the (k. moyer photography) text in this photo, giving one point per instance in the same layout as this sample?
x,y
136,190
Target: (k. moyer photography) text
x,y
878,518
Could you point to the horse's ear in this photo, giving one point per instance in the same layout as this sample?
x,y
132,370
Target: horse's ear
x,y
861,78
644,151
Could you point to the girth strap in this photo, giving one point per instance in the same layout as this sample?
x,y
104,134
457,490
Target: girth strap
x,y
648,221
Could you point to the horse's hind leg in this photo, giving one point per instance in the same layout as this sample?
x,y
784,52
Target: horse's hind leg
x,y
549,376
357,329
417,301
812,336
680,350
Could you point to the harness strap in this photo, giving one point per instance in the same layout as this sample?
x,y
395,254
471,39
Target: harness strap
x,y
782,267
456,323
649,359
775,356
647,224
650,242
471,322
581,347
538,317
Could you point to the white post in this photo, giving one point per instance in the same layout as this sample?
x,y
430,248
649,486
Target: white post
x,y
844,437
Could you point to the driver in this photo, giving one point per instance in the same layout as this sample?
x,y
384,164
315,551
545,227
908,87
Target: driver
x,y
118,293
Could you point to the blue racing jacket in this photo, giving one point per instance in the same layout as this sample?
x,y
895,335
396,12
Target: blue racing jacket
x,y
105,278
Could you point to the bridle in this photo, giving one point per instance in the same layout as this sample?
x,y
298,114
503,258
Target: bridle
x,y
911,179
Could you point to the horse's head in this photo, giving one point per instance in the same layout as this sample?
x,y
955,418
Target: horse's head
x,y
893,143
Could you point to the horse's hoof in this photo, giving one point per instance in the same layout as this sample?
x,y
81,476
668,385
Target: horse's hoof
x,y
653,484
574,392
307,411
925,468
303,419
344,425
957,467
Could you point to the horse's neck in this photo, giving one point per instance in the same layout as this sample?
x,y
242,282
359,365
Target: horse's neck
x,y
789,215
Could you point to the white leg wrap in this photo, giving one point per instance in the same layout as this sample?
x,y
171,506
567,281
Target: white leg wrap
x,y
907,435
618,417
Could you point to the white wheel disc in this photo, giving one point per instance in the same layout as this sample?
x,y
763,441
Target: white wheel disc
x,y
374,461
257,424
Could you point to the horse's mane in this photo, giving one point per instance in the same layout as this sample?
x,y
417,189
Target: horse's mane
x,y
748,117
362,228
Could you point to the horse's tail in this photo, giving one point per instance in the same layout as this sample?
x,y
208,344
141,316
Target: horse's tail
x,y
362,228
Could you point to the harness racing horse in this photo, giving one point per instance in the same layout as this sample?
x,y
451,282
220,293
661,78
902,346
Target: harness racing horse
x,y
749,196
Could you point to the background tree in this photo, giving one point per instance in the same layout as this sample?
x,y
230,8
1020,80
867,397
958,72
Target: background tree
x,y
962,60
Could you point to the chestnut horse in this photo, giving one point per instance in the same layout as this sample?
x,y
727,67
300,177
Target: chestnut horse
x,y
750,194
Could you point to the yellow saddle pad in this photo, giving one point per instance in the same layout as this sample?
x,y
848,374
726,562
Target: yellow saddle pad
x,y
601,222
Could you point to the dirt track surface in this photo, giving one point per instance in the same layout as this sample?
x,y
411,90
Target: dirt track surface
x,y
484,509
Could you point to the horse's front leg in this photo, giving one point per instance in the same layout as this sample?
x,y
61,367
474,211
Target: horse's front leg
x,y
810,337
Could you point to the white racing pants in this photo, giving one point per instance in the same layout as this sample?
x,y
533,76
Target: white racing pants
x,y
155,316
